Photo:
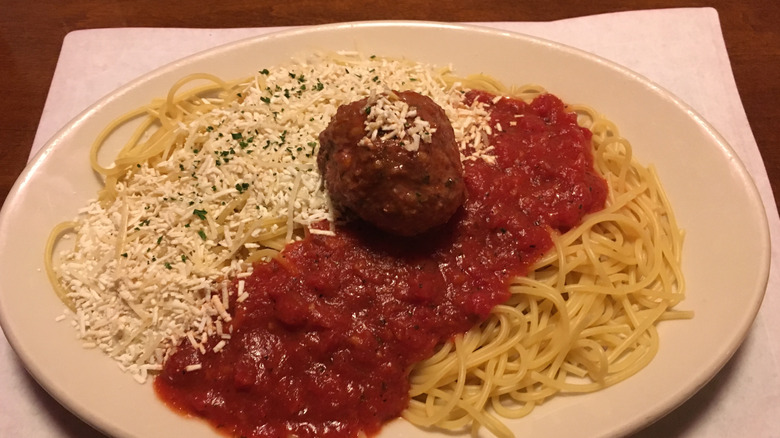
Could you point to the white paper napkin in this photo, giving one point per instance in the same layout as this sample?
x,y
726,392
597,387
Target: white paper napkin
x,y
680,49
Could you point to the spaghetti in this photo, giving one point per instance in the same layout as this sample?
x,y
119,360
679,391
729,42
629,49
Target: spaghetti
x,y
584,319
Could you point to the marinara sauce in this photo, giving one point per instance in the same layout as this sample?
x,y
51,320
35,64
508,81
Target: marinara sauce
x,y
324,343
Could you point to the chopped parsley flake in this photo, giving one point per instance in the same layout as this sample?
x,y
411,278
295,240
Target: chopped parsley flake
x,y
241,187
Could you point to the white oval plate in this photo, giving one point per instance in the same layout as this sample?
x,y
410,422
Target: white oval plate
x,y
726,250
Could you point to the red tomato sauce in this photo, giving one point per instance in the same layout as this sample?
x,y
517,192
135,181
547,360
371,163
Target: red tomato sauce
x,y
324,343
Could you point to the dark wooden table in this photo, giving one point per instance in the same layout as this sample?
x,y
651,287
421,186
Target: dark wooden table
x,y
31,35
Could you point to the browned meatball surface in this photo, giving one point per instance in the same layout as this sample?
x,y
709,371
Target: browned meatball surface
x,y
402,186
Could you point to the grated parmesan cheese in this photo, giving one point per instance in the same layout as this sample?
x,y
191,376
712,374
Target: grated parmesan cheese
x,y
193,367
390,118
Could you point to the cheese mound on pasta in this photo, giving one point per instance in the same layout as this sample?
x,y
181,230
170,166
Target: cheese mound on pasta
x,y
208,186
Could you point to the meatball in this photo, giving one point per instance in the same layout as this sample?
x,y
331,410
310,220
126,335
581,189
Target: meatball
x,y
392,160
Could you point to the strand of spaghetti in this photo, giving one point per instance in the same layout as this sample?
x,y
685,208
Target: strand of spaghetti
x,y
610,143
643,326
269,236
469,343
518,410
497,342
152,149
433,416
578,321
245,237
291,207
610,213
473,400
674,251
483,418
533,392
54,236
596,360
672,315
135,144
676,234
172,99
430,372
234,205
262,254
559,255
553,354
103,135
493,342
515,369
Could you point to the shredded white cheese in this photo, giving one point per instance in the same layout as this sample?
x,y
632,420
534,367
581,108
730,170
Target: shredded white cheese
x,y
387,114
193,367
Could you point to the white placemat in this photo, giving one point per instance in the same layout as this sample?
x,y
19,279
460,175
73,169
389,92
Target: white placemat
x,y
680,49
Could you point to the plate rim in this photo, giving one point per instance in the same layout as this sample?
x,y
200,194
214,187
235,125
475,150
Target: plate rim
x,y
51,144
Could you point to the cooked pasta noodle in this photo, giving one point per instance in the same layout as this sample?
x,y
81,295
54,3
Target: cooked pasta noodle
x,y
582,320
